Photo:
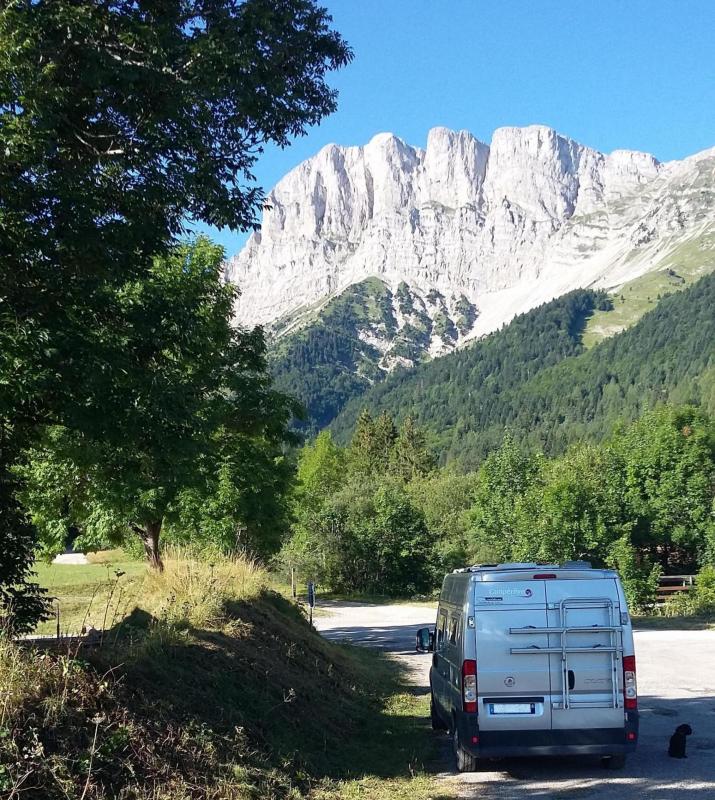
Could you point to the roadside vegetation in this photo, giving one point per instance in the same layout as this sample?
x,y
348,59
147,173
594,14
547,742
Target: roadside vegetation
x,y
211,685
380,517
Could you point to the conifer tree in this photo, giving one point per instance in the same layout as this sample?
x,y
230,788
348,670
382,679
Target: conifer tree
x,y
384,440
362,445
410,456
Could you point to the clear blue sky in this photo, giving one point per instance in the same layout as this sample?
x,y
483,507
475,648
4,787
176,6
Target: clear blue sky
x,y
634,74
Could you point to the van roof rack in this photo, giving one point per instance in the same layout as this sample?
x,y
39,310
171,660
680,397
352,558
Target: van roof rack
x,y
510,565
526,565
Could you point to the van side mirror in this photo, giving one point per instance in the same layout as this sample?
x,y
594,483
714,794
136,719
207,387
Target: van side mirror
x,y
425,640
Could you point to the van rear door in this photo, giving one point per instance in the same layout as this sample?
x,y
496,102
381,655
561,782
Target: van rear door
x,y
513,690
586,676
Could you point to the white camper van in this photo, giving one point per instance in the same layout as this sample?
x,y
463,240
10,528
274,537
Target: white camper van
x,y
533,660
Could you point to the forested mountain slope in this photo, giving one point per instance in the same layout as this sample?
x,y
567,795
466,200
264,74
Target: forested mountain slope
x,y
534,378
360,336
439,391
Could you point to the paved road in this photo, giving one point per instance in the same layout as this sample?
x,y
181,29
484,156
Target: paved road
x,y
676,681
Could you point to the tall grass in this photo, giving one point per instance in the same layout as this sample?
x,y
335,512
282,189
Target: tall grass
x,y
15,682
194,588
198,591
35,677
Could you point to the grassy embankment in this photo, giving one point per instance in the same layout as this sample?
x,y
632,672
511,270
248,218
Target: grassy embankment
x,y
209,685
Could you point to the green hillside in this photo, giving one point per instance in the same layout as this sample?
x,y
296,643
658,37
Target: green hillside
x,y
351,343
326,363
535,377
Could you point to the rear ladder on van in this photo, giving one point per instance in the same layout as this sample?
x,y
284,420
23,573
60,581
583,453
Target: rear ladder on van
x,y
614,647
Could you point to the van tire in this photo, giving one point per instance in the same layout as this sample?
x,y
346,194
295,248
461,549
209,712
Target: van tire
x,y
465,761
437,724
615,762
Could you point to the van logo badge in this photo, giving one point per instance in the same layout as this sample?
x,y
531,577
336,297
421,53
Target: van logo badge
x,y
510,681
499,594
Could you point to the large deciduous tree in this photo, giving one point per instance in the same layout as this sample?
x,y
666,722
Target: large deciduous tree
x,y
357,526
667,459
120,121
366,537
191,395
504,479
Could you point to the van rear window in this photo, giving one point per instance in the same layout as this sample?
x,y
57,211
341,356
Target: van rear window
x,y
441,630
453,625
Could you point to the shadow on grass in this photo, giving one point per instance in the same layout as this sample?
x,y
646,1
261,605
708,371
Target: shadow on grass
x,y
311,707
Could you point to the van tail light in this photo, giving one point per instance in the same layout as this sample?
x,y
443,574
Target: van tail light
x,y
469,686
630,688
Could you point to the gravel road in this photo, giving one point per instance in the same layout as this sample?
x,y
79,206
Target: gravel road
x,y
676,682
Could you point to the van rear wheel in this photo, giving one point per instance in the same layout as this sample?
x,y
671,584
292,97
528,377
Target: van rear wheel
x,y
466,762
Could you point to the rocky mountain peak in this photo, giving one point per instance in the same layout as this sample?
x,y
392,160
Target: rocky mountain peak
x,y
505,226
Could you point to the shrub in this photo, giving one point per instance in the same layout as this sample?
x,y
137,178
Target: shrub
x,y
704,592
639,575
679,605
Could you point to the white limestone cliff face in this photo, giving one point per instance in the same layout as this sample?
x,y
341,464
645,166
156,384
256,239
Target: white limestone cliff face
x,y
508,226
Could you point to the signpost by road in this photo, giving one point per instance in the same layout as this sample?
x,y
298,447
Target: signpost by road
x,y
311,599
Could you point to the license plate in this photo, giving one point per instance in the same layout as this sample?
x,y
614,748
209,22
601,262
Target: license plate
x,y
511,708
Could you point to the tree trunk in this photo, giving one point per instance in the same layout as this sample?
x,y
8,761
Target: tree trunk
x,y
149,534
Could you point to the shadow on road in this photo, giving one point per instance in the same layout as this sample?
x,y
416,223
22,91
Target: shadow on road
x,y
649,773
398,639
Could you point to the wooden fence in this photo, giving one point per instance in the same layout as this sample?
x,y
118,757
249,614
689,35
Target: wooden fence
x,y
669,585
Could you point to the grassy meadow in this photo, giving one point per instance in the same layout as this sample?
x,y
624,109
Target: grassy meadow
x,y
90,595
681,269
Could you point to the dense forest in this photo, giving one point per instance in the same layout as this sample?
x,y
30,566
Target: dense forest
x,y
379,516
326,363
535,378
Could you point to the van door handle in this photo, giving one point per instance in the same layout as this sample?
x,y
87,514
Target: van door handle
x,y
572,679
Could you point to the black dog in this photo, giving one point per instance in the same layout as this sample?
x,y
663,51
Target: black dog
x,y
676,748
